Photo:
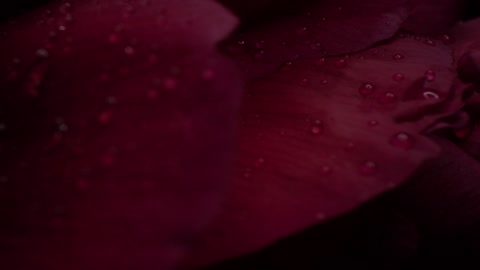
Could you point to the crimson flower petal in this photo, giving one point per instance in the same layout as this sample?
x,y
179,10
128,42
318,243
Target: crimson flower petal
x,y
327,27
116,128
322,136
433,16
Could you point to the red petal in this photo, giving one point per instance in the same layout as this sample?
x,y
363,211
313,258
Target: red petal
x,y
116,141
321,137
325,28
434,16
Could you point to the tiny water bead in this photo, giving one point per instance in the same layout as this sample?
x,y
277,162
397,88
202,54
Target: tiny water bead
x,y
113,38
368,167
430,75
430,42
319,62
302,31
259,55
366,89
387,98
326,170
402,140
208,74
260,44
42,53
372,123
287,66
247,173
341,63
316,46
105,117
398,56
305,82
130,51
259,163
398,77
317,127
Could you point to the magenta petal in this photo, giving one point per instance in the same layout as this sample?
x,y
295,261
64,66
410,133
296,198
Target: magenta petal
x,y
320,137
327,27
433,16
115,141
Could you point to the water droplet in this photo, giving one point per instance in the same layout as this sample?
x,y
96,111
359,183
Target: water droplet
x,y
259,55
430,42
447,39
260,44
105,117
42,53
372,123
368,167
398,56
259,163
398,77
287,66
130,51
387,98
113,38
208,74
248,173
317,127
349,147
366,89
430,75
302,31
170,83
402,140
305,82
316,46
152,94
341,63
320,62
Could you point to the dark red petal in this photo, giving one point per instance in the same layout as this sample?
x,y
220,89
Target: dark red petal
x,y
116,133
467,37
433,16
327,27
321,137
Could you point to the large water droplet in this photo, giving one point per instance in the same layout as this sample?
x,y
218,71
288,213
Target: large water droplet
x,y
317,127
430,75
366,89
402,140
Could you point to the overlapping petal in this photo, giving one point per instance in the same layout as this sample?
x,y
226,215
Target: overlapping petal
x,y
319,137
322,28
116,131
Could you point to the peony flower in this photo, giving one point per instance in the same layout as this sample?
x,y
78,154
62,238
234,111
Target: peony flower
x,y
162,134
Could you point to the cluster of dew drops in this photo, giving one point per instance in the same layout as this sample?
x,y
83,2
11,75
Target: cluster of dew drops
x,y
402,140
59,41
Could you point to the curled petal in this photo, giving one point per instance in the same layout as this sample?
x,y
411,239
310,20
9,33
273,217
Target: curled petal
x,y
322,136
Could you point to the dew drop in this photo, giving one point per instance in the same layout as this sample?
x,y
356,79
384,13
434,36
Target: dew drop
x,y
113,38
398,77
402,140
325,170
349,147
368,167
208,74
259,55
366,89
320,62
302,31
152,94
341,63
398,56
260,44
317,127
247,173
316,46
430,42
387,98
130,51
259,163
372,123
42,53
430,75
305,82
429,95
170,83
287,66
105,117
